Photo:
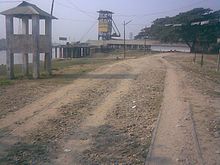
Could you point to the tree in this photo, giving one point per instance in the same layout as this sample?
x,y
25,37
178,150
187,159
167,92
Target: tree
x,y
196,27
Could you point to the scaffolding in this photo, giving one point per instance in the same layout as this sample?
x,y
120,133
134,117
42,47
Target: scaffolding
x,y
107,27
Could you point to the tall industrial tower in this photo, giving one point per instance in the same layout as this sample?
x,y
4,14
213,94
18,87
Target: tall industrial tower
x,y
106,26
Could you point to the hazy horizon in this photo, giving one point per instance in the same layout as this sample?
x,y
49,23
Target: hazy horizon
x,y
77,19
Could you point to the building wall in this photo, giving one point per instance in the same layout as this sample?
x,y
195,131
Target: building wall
x,y
166,48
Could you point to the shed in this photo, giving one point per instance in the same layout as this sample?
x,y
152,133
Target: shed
x,y
28,43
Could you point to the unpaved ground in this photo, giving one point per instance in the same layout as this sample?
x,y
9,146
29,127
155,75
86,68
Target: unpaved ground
x,y
109,116
104,116
174,142
201,90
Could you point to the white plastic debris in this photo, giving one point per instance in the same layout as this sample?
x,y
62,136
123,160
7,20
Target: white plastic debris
x,y
134,107
67,150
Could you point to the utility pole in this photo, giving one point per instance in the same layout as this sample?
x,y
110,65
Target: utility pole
x,y
52,7
125,23
202,58
145,40
124,39
194,58
218,62
51,13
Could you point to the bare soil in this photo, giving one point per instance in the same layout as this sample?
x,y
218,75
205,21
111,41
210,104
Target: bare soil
x,y
201,90
91,113
113,107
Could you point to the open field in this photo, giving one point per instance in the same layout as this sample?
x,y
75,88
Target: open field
x,y
106,110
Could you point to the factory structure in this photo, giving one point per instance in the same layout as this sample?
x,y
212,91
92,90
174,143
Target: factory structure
x,y
107,28
35,43
108,38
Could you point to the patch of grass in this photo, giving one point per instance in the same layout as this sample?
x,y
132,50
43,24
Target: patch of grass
x,y
25,154
5,82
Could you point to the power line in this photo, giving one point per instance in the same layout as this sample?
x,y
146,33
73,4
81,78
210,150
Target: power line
x,y
80,10
74,8
9,1
159,12
75,20
87,31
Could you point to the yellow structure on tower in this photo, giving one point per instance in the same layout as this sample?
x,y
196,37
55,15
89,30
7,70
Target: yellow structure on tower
x,y
106,26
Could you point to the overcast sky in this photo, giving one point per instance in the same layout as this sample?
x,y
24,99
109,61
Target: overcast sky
x,y
77,19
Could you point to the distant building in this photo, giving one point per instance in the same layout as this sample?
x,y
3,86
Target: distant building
x,y
131,36
152,45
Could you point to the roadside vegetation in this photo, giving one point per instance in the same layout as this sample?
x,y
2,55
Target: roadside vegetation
x,y
198,28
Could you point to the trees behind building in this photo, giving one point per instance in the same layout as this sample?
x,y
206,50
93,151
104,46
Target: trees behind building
x,y
198,28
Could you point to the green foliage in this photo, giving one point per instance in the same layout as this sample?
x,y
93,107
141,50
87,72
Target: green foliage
x,y
4,82
194,35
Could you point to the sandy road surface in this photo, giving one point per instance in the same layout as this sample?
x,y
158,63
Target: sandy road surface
x,y
121,98
108,116
82,140
174,142
200,88
182,135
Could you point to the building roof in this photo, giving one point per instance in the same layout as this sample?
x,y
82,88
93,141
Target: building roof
x,y
132,42
105,12
27,9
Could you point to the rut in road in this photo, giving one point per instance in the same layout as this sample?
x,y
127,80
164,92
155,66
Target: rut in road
x,y
19,124
30,116
174,141
82,138
73,111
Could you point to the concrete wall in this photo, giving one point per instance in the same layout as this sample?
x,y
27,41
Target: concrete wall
x,y
140,45
24,43
167,48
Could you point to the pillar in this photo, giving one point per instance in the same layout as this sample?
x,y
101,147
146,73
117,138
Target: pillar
x,y
75,52
56,52
89,51
9,53
69,52
48,33
81,52
78,52
72,52
36,54
64,52
25,31
61,52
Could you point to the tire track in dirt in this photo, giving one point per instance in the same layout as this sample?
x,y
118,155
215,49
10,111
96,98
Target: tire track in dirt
x,y
201,91
81,110
126,135
82,138
46,107
174,142
21,123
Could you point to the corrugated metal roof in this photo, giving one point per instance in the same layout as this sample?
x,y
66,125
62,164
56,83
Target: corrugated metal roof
x,y
27,9
105,12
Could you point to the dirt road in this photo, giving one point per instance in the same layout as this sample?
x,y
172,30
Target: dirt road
x,y
174,142
182,135
109,116
102,117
